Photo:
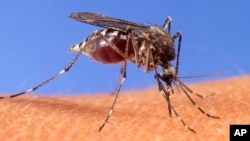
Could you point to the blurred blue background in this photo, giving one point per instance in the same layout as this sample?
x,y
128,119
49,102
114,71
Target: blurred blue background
x,y
35,37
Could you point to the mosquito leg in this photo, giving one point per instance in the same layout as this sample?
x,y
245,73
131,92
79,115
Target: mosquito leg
x,y
118,87
164,92
170,107
196,94
194,103
177,34
117,90
120,77
136,51
167,24
66,69
181,120
166,95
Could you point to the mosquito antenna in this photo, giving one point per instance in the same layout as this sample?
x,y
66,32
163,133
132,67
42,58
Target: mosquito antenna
x,y
66,69
202,75
184,88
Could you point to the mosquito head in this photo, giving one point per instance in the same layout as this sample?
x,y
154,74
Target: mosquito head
x,y
168,75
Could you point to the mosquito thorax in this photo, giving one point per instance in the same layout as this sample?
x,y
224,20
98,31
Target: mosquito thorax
x,y
163,44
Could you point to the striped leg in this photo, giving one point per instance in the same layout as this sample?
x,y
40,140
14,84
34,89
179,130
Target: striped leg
x,y
121,80
196,94
182,121
184,88
166,95
117,90
66,69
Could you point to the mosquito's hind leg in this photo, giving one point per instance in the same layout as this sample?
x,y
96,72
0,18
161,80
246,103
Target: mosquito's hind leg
x,y
65,70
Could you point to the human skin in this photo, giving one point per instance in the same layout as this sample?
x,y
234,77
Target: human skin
x,y
138,115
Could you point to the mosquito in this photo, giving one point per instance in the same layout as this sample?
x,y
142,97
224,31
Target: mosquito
x,y
122,41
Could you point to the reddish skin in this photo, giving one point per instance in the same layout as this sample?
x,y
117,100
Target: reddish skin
x,y
138,115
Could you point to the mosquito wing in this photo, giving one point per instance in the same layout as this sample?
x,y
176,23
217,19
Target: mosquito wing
x,y
106,21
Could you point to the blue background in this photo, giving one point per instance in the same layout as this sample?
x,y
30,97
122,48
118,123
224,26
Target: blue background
x,y
35,37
